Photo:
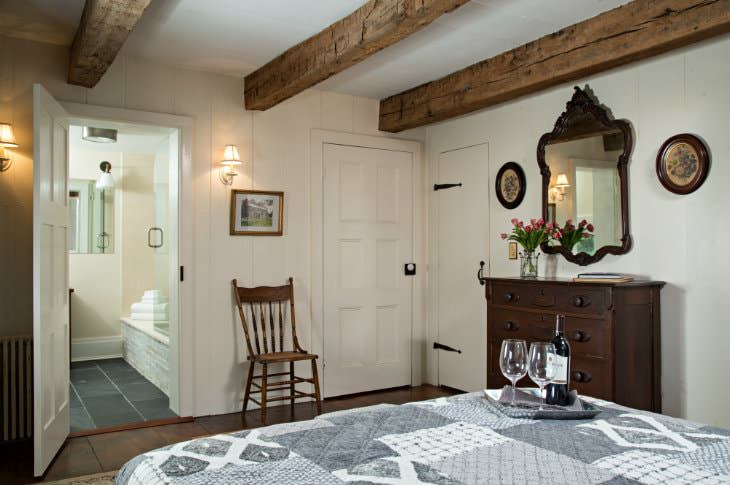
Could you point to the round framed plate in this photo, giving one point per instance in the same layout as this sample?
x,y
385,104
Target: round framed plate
x,y
510,185
682,163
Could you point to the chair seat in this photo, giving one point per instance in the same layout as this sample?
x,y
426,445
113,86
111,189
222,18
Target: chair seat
x,y
282,357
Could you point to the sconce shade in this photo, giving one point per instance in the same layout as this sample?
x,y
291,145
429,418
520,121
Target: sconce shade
x,y
562,180
231,156
7,137
106,180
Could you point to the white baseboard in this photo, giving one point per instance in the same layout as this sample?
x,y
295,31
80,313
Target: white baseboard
x,y
96,348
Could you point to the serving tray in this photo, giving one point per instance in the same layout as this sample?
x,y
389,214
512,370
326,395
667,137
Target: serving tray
x,y
527,401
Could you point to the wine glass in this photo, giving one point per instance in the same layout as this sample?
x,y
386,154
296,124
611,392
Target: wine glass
x,y
542,365
513,362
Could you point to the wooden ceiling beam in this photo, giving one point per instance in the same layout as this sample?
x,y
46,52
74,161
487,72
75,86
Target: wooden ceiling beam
x,y
104,27
369,29
634,31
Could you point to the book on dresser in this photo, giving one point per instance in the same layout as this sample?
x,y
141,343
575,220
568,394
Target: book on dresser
x,y
614,330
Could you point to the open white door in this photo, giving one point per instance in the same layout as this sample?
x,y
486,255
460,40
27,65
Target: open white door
x,y
462,311
50,279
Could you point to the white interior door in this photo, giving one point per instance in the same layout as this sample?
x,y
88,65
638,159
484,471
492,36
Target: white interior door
x,y
368,238
463,241
50,278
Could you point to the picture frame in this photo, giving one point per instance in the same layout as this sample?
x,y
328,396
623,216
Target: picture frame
x,y
256,213
510,185
683,163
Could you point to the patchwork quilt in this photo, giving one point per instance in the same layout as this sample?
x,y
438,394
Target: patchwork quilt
x,y
456,440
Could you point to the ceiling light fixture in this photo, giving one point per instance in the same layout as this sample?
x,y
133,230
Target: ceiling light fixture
x,y
99,135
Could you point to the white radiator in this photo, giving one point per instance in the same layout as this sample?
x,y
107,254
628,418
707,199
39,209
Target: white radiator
x,y
16,388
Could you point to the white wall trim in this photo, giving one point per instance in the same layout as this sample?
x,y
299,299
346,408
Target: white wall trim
x,y
420,231
93,348
182,385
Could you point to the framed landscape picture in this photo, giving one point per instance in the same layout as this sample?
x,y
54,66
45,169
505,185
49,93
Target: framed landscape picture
x,y
257,213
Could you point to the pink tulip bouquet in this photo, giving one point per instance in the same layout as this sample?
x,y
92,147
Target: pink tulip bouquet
x,y
570,234
530,236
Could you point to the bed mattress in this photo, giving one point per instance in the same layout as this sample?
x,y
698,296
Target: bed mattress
x,y
461,439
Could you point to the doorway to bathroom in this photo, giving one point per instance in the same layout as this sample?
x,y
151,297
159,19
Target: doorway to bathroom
x,y
123,273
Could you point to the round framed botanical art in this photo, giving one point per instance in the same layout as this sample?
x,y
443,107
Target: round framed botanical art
x,y
682,164
510,185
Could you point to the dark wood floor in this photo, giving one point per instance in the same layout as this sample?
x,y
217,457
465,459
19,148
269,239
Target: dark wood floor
x,y
108,452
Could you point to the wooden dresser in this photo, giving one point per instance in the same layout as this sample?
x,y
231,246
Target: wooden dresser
x,y
613,330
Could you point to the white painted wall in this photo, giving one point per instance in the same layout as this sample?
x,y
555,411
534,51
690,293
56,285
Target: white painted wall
x,y
682,240
275,148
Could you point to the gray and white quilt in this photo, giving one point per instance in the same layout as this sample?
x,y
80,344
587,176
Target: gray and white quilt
x,y
457,440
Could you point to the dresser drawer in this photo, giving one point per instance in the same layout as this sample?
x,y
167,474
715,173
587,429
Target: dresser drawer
x,y
591,377
521,325
569,298
586,336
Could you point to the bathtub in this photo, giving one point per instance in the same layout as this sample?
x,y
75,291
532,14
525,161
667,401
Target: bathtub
x,y
146,347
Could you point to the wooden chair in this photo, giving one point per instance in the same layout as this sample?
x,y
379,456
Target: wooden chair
x,y
257,307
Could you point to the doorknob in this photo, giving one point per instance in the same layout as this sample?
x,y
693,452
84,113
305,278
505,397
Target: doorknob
x,y
439,346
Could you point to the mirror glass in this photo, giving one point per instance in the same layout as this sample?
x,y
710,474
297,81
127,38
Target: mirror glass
x,y
91,218
585,185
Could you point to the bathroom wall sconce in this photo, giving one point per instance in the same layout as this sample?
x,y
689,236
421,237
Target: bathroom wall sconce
x,y
106,180
561,184
7,140
231,158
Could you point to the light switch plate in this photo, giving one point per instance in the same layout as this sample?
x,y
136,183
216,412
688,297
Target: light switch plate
x,y
512,250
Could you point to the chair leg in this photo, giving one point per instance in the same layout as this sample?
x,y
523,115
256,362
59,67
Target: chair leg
x,y
315,378
247,392
291,386
264,382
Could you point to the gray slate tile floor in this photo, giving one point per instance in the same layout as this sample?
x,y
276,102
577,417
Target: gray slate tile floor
x,y
110,392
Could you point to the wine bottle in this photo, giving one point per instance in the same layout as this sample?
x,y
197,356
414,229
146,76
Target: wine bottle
x,y
557,390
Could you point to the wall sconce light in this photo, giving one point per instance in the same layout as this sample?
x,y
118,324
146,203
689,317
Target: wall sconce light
x,y
106,180
561,184
231,158
7,140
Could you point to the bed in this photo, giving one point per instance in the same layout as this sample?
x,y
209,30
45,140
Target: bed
x,y
461,439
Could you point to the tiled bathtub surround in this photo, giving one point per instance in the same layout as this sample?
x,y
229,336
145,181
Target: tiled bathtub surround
x,y
110,392
148,351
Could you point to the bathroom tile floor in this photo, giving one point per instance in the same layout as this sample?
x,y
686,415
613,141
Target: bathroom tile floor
x,y
111,392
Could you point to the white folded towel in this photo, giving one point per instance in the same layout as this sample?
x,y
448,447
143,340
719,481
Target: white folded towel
x,y
153,299
149,317
143,307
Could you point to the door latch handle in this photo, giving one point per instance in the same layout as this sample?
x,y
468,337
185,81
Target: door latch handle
x,y
439,346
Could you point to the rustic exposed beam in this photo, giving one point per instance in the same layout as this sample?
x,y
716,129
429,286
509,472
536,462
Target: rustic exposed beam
x,y
637,30
104,27
369,29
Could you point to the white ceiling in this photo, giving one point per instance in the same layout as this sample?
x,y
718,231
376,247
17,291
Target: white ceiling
x,y
237,36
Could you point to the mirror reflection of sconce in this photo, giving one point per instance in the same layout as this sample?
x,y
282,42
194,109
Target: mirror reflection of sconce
x,y
7,140
561,185
231,158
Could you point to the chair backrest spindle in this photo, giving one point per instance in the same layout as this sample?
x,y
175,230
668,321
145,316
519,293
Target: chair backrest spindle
x,y
263,297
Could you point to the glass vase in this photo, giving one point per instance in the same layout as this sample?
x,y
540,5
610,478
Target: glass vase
x,y
528,264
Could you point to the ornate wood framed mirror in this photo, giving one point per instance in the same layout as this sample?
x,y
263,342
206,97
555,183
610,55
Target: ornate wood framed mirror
x,y
584,166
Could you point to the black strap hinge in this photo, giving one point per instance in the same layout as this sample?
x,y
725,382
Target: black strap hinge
x,y
445,186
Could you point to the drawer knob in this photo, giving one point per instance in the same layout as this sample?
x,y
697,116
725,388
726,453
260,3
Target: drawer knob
x,y
579,336
580,376
510,325
580,301
509,297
